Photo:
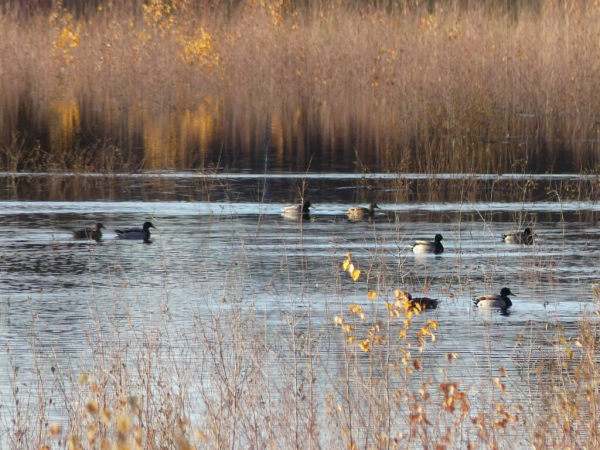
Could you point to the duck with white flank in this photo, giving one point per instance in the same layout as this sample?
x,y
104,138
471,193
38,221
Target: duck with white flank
x,y
434,247
136,233
297,210
494,301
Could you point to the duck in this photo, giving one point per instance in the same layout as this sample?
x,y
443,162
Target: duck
x,y
296,210
494,301
526,237
434,247
421,303
358,212
89,233
136,233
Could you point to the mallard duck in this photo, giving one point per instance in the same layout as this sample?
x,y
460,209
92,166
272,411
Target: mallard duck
x,y
526,237
296,210
358,212
136,233
422,302
435,247
89,233
494,300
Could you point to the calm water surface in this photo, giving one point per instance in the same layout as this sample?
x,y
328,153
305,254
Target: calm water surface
x,y
221,240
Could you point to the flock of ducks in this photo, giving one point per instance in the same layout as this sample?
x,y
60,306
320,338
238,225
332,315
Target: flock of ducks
x,y
501,301
498,301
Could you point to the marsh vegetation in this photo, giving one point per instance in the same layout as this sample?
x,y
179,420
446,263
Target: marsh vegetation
x,y
453,87
242,328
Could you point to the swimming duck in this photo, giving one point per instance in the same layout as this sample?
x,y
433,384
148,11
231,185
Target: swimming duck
x,y
296,210
423,302
434,247
358,212
136,233
494,300
89,233
526,237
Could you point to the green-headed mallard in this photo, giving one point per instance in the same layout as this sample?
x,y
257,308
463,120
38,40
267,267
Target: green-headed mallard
x,y
89,233
526,237
435,247
422,303
494,300
296,210
136,233
358,212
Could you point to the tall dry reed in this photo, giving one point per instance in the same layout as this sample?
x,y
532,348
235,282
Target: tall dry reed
x,y
174,85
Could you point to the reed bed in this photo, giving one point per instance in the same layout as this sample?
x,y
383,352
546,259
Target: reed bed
x,y
449,86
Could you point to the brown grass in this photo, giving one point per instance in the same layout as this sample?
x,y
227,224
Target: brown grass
x,y
460,89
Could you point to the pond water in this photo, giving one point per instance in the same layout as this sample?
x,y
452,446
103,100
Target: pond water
x,y
221,242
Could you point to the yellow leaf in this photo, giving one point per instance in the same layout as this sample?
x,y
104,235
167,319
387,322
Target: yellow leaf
x,y
355,309
355,274
346,264
55,430
372,295
92,407
106,416
351,339
365,345
124,424
200,435
569,352
403,334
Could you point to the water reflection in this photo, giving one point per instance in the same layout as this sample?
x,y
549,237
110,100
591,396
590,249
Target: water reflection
x,y
79,130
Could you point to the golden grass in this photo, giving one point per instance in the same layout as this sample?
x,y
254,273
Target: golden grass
x,y
172,85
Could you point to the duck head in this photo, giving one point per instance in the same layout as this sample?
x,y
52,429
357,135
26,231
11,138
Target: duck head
x,y
306,205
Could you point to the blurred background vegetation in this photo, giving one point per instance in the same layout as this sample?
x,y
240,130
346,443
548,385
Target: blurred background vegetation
x,y
435,86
